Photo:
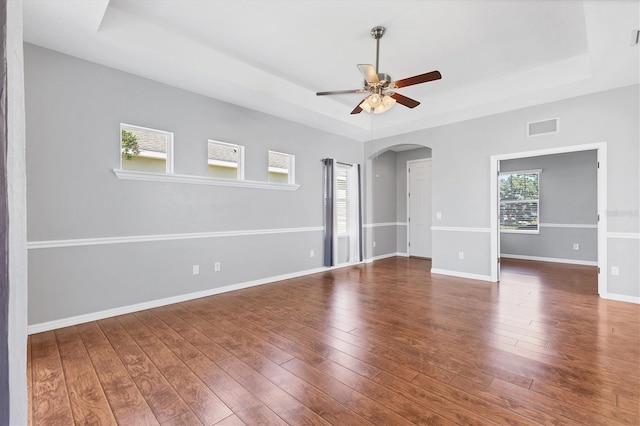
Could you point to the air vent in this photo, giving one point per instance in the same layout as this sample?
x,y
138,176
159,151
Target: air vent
x,y
544,127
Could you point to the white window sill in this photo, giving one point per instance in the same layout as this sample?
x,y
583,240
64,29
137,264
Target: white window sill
x,y
514,231
200,180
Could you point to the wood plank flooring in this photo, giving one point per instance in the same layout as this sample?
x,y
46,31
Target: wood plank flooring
x,y
384,343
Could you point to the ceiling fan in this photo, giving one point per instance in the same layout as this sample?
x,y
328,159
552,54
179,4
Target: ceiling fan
x,y
379,85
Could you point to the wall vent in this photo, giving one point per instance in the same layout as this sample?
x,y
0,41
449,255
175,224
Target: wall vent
x,y
543,127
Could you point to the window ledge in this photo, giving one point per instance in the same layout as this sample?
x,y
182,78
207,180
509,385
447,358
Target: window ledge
x,y
200,180
521,231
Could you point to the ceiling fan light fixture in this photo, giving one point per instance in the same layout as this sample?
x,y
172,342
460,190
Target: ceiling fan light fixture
x,y
377,103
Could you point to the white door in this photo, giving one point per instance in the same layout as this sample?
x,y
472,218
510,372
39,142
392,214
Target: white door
x,y
419,208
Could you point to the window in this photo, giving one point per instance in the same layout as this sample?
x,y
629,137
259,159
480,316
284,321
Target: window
x,y
342,200
519,201
281,167
146,150
225,160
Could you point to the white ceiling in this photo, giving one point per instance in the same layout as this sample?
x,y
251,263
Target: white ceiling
x,y
272,56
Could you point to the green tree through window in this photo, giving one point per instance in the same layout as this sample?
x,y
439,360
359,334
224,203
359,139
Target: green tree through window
x,y
519,201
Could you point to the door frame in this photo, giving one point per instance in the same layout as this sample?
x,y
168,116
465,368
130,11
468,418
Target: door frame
x,y
601,189
409,162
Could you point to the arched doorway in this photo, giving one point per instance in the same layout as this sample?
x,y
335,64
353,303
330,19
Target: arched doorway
x,y
387,229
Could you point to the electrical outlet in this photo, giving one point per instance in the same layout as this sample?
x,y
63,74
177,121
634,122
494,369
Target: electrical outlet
x,y
196,269
615,270
439,216
461,255
374,243
576,246
312,253
216,266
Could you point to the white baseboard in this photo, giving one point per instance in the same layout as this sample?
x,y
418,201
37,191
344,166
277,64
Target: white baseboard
x,y
462,274
622,298
385,256
550,259
95,316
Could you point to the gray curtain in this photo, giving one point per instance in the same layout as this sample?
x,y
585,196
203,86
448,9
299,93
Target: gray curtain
x,y
360,214
328,195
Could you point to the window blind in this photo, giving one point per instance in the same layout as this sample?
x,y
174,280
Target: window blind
x,y
342,200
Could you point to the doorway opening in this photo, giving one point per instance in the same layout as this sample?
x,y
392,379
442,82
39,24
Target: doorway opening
x,y
419,208
386,224
599,222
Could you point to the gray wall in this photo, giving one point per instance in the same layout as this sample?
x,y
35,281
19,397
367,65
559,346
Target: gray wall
x,y
384,204
461,175
568,196
74,110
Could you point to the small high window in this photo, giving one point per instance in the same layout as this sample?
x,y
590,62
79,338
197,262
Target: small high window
x,y
146,150
225,160
281,167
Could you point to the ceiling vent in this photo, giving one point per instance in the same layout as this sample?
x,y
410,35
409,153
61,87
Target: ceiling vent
x,y
544,127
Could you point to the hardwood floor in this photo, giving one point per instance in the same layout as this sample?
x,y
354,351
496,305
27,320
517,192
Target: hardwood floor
x,y
384,343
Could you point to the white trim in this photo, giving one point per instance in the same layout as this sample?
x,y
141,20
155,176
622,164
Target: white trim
x,y
376,225
95,316
461,274
519,231
34,245
601,149
550,259
568,225
624,235
168,157
385,256
520,172
621,297
291,171
459,229
200,180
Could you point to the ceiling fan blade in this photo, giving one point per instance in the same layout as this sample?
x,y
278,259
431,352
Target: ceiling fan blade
x,y
408,102
357,109
340,92
417,79
369,73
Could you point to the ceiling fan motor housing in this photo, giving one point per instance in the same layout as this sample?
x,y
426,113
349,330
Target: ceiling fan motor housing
x,y
377,32
385,79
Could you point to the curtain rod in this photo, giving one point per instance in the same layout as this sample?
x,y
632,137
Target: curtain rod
x,y
339,162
